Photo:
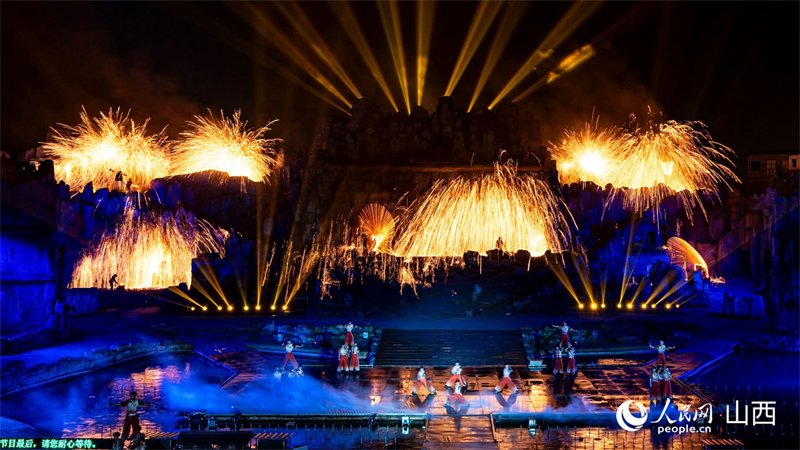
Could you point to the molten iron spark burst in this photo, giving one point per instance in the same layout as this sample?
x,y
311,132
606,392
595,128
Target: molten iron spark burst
x,y
226,145
469,214
377,223
647,166
96,149
682,254
147,251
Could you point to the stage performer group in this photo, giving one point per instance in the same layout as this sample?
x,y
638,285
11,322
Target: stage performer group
x,y
348,353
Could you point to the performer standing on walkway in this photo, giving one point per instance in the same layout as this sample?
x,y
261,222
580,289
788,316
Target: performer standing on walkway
x,y
666,386
655,386
455,368
558,363
348,333
572,367
344,359
662,349
423,382
131,415
456,400
289,346
354,364
456,380
565,329
506,382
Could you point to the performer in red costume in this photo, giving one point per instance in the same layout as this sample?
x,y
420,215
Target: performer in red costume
x,y
423,382
666,385
344,359
131,415
655,386
455,368
506,382
662,349
348,333
565,329
456,380
354,365
572,367
456,400
289,346
558,363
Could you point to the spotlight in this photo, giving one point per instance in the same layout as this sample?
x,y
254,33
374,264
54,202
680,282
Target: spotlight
x,y
644,306
230,307
630,305
677,306
272,307
653,306
603,305
580,305
594,305
668,306
192,308
619,306
258,307
246,308
285,307
219,308
205,308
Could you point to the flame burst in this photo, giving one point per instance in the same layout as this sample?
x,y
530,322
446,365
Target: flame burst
x,y
469,214
96,149
647,166
225,145
147,251
682,254
378,224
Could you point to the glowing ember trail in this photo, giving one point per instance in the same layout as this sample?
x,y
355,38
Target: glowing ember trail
x,y
378,224
97,149
226,145
682,254
470,214
147,251
668,158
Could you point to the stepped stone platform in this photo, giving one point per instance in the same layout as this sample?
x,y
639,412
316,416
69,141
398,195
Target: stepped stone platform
x,y
441,348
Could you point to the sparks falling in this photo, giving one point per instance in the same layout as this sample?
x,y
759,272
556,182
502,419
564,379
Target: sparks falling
x,y
378,224
97,149
226,145
470,214
647,166
147,251
682,254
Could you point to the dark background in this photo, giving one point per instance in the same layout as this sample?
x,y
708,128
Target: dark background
x,y
733,66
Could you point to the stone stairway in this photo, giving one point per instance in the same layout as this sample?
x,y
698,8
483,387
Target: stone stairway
x,y
440,348
459,432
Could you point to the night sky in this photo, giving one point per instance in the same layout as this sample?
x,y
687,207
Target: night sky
x,y
733,66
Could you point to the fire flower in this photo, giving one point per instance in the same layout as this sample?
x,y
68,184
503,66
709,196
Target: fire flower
x,y
226,145
467,214
682,254
647,166
378,224
97,149
147,251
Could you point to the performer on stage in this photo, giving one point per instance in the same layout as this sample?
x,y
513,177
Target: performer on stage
x,y
655,386
506,382
572,367
289,346
455,368
565,329
277,375
457,379
119,444
348,335
662,349
344,359
131,415
423,382
354,364
666,386
456,400
296,373
558,363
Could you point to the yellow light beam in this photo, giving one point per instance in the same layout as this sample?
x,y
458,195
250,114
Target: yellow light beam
x,y
425,13
267,28
344,12
481,21
508,23
212,279
205,293
562,276
390,17
569,63
299,20
181,294
579,12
